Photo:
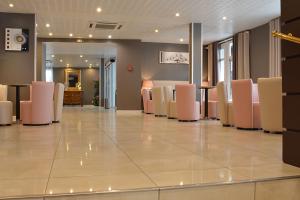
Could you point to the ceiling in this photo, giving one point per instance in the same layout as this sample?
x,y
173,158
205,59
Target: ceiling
x,y
141,17
59,54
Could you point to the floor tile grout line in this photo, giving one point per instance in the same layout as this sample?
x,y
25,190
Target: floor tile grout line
x,y
52,164
127,155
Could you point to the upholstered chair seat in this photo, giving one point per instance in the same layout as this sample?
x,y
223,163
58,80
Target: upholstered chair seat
x,y
6,107
38,111
225,107
188,109
246,107
158,102
270,99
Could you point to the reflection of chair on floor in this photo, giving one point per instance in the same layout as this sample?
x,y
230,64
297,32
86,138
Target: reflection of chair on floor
x,y
188,109
225,108
147,102
169,102
58,101
270,99
158,102
6,107
38,111
246,110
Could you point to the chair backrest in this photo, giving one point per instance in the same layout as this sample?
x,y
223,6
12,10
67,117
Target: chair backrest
x,y
3,92
222,102
185,99
213,94
42,101
168,93
158,101
242,99
146,97
58,101
270,99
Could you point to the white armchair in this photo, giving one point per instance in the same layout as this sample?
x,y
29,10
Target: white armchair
x,y
158,102
6,107
58,101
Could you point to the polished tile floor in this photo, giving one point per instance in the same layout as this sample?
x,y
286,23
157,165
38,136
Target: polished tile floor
x,y
93,150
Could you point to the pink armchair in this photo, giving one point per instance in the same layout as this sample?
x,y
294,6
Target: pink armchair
x,y
245,101
188,109
39,110
147,102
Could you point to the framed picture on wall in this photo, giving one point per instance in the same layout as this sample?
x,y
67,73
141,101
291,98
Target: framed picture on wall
x,y
173,57
16,39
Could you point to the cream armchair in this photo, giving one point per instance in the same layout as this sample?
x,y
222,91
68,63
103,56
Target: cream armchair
x,y
158,102
169,102
270,98
58,101
6,107
225,109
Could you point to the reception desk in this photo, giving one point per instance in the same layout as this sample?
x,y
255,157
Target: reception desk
x,y
73,97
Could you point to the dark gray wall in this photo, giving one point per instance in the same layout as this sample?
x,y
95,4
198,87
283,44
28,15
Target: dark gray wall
x,y
88,76
205,64
152,69
259,52
128,83
17,67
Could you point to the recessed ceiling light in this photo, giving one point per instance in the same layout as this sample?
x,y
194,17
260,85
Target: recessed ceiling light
x,y
181,40
52,55
156,30
11,5
71,34
50,34
109,36
47,25
99,9
68,65
36,25
90,35
81,56
177,14
61,60
224,18
86,61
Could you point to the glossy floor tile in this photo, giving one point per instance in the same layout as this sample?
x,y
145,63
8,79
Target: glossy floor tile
x,y
94,151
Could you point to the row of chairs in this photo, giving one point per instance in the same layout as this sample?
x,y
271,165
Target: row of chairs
x,y
44,107
253,106
165,103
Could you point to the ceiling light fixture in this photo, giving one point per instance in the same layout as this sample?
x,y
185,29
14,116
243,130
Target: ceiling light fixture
x,y
68,65
181,40
86,61
109,36
50,34
47,25
224,18
11,5
81,56
156,30
99,9
90,35
52,55
61,60
71,34
177,15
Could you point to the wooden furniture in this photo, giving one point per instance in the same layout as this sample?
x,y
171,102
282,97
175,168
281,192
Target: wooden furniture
x,y
73,97
206,88
18,86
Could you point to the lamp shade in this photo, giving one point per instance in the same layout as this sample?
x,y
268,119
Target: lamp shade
x,y
147,84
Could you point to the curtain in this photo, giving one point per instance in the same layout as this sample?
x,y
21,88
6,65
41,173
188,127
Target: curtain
x,y
210,64
274,50
242,62
215,64
234,54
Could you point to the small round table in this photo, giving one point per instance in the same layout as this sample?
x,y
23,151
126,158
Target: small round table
x,y
18,86
206,88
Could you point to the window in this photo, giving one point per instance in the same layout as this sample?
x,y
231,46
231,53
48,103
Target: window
x,y
225,66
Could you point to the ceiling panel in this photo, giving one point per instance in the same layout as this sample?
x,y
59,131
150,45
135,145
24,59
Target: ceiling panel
x,y
141,17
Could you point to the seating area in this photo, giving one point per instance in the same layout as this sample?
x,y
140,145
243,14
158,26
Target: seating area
x,y
253,106
44,107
